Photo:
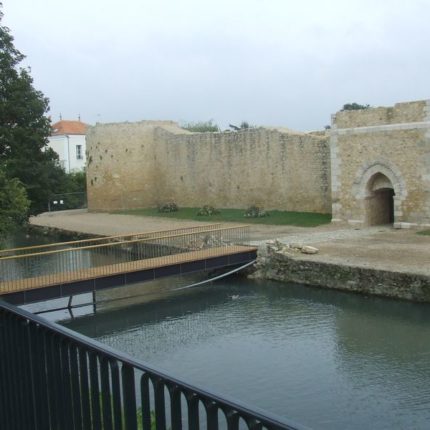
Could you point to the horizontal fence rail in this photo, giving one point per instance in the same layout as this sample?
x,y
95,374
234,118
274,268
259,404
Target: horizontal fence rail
x,y
53,378
124,254
104,239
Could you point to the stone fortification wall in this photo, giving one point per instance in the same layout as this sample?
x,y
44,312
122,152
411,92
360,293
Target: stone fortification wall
x,y
150,162
382,144
375,169
122,170
400,113
269,168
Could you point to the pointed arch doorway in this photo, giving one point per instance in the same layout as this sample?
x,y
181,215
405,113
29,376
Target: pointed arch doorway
x,y
379,202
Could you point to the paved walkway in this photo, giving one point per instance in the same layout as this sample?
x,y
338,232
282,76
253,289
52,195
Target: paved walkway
x,y
380,247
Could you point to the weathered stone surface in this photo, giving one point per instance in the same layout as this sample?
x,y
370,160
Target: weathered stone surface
x,y
377,151
309,250
374,169
292,268
133,165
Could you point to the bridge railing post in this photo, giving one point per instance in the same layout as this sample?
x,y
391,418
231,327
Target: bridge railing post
x,y
54,266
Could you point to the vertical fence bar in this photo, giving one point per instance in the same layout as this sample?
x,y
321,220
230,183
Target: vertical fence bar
x,y
193,411
211,415
5,373
21,365
175,407
85,388
53,380
39,360
254,424
31,359
232,419
66,385
95,391
160,405
116,395
128,388
106,394
76,389
145,402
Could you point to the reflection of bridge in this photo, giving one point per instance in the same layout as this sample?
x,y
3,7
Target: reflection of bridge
x,y
65,269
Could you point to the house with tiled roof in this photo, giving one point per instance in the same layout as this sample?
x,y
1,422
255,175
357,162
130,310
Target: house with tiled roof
x,y
68,141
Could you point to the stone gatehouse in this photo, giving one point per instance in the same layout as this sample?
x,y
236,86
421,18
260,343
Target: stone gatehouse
x,y
371,167
380,165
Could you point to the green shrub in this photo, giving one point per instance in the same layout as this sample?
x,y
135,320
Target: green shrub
x,y
255,212
201,127
207,210
168,207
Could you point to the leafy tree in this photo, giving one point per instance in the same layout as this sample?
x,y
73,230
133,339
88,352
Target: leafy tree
x,y
24,128
354,106
76,182
201,126
244,125
72,192
14,204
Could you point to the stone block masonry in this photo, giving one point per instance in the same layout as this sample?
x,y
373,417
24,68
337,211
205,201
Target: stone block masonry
x,y
151,162
263,167
280,267
372,168
380,165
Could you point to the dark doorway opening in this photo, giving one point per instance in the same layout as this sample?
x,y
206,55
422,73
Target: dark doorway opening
x,y
380,201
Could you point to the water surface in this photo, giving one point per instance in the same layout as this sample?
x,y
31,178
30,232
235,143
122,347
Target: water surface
x,y
325,359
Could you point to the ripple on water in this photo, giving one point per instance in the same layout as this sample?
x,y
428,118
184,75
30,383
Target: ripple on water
x,y
326,359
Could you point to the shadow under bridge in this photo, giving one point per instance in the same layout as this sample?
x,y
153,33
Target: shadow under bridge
x,y
65,269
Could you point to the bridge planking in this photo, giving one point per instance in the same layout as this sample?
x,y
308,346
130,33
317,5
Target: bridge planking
x,y
30,290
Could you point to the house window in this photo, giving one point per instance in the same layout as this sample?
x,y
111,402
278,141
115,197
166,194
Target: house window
x,y
79,155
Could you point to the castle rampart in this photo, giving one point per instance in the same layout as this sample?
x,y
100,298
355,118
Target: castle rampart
x,y
373,167
144,164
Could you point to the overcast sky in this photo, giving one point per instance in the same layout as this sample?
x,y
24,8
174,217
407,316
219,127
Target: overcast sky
x,y
270,62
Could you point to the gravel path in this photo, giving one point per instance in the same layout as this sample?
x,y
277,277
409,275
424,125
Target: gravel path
x,y
377,247
314,236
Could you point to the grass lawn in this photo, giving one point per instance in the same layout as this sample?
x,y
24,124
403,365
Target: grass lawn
x,y
424,232
301,219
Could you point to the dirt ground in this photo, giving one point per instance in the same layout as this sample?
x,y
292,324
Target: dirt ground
x,y
382,247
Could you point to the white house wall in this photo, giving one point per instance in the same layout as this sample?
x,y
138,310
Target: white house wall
x,y
66,148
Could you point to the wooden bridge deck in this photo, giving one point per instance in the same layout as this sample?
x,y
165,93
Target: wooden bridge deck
x,y
91,279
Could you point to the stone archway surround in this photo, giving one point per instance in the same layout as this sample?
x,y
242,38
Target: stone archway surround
x,y
392,172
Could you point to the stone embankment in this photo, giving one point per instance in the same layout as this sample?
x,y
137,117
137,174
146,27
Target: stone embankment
x,y
286,262
376,260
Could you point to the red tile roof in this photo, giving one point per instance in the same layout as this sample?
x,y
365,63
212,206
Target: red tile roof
x,y
68,127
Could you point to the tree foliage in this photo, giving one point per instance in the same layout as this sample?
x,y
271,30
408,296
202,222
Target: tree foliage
x,y
72,192
354,106
76,182
24,128
244,125
201,126
14,204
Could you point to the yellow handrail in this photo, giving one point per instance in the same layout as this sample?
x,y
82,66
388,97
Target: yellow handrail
x,y
97,239
112,244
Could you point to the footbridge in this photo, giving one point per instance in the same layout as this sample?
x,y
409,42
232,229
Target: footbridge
x,y
65,269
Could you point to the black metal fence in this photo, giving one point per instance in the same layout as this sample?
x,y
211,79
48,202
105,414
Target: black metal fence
x,y
53,378
61,202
